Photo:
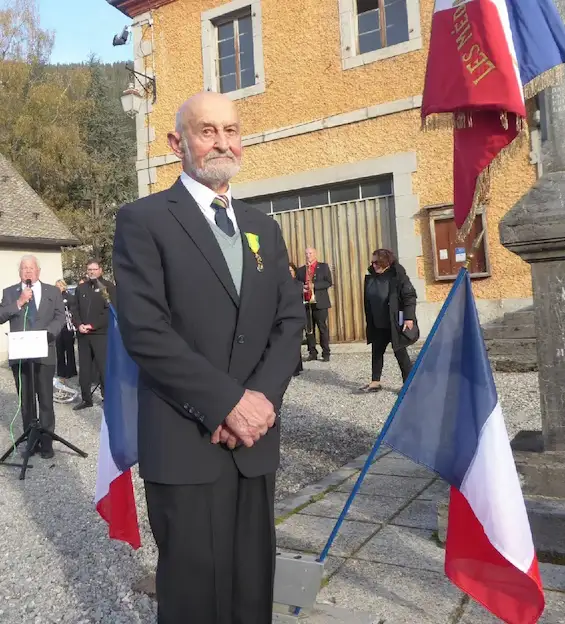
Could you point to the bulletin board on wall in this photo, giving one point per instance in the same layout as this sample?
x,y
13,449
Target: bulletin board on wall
x,y
450,254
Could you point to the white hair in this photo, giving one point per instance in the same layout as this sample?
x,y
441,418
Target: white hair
x,y
211,173
31,258
179,126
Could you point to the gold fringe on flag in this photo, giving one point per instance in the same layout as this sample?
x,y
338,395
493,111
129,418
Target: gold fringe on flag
x,y
447,121
482,188
551,78
438,121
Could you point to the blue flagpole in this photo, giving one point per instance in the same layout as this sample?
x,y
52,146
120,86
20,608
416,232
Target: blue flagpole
x,y
460,278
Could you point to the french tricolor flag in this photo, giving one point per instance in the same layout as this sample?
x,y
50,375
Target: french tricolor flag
x,y
450,420
486,58
114,498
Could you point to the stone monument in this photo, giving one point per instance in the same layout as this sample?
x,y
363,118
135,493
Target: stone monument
x,y
534,229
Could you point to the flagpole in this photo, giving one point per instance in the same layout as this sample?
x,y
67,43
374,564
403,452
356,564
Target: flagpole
x,y
388,422
476,244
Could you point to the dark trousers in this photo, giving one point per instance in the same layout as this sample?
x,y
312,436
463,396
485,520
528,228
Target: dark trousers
x,y
44,374
216,546
317,318
66,364
91,349
381,340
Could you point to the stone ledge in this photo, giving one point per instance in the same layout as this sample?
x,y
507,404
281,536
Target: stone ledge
x,y
541,474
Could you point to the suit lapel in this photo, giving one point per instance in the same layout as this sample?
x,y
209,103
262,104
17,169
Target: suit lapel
x,y
187,212
251,277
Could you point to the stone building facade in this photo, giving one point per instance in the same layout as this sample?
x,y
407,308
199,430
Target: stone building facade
x,y
329,94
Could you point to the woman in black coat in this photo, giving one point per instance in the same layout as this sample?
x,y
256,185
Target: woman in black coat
x,y
390,313
299,293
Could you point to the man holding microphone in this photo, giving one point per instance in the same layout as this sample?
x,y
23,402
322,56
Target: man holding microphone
x,y
32,305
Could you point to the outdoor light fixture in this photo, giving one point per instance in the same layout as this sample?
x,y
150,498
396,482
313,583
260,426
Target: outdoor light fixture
x,y
132,98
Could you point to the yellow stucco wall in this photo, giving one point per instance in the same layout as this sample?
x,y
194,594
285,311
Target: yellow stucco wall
x,y
305,81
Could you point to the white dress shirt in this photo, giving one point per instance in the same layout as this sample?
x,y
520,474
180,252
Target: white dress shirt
x,y
204,197
36,289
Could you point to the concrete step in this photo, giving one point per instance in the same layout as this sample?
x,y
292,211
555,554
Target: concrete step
x,y
525,315
518,362
509,331
514,364
547,522
522,348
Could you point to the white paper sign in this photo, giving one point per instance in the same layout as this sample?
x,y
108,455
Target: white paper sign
x,y
460,255
26,345
443,254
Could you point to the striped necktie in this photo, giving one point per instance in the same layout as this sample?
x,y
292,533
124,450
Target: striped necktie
x,y
220,205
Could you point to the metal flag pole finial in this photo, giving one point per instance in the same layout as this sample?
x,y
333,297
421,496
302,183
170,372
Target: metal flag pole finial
x,y
475,246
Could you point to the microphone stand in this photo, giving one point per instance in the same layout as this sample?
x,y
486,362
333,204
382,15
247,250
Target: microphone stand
x,y
34,431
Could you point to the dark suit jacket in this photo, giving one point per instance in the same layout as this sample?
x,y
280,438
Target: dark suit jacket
x,y
50,315
197,344
322,281
90,307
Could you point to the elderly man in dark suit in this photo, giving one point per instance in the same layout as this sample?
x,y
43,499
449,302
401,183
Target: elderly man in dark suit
x,y
208,310
33,305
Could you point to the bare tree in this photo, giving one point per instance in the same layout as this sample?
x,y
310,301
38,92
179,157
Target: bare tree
x,y
21,37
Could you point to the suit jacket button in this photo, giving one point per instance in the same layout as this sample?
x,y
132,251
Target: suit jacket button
x,y
186,406
241,339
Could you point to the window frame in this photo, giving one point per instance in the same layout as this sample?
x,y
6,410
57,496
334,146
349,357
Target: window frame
x,y
350,56
210,20
445,212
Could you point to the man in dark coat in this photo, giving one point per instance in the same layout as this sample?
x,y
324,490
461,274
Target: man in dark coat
x,y
208,311
317,279
390,312
33,305
90,316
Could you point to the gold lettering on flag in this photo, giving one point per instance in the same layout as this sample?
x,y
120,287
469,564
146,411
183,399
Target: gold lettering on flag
x,y
478,59
476,62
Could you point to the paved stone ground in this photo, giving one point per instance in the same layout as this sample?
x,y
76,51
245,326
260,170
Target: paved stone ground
x,y
58,565
386,566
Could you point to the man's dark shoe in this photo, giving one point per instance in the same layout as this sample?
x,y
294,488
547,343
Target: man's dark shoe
x,y
47,453
82,405
325,358
311,357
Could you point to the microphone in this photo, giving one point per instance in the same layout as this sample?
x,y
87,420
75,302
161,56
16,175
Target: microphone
x,y
26,304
